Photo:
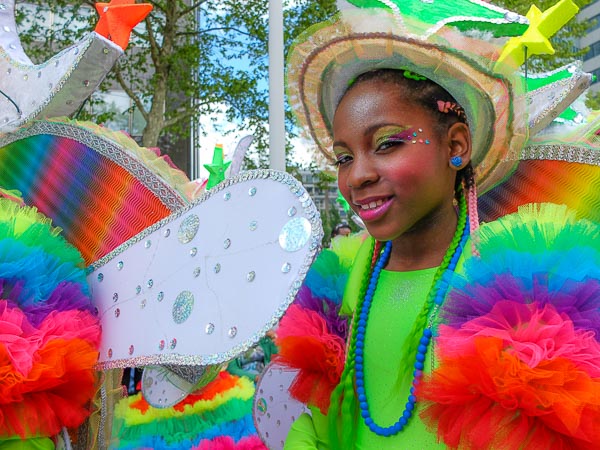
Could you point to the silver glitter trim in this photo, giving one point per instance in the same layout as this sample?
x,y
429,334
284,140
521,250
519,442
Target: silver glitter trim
x,y
562,152
314,245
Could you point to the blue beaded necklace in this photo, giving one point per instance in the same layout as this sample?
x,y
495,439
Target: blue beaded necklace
x,y
440,288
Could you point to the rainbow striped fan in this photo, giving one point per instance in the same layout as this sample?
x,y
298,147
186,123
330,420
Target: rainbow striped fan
x,y
541,181
98,186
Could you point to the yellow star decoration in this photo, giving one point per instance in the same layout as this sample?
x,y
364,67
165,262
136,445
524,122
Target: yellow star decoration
x,y
542,25
217,168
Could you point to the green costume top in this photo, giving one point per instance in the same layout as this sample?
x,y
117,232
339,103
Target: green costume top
x,y
398,299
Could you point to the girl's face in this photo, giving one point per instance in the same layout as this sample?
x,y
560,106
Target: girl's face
x,y
393,162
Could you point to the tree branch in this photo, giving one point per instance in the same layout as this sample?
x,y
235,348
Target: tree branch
x,y
179,117
208,30
154,47
132,95
189,9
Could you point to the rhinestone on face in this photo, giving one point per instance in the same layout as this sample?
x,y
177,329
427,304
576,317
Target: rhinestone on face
x,y
252,191
227,243
253,225
100,277
210,328
226,196
286,268
150,283
131,348
117,312
148,244
217,268
161,295
110,353
193,251
143,303
120,265
232,332
115,297
161,344
138,289
167,233
197,272
292,211
173,343
251,276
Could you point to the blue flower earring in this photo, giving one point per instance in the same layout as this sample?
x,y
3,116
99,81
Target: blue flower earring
x,y
456,161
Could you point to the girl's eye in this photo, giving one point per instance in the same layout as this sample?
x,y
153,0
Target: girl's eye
x,y
342,159
393,139
389,143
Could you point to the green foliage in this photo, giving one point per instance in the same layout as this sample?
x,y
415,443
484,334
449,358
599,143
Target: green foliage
x,y
188,59
593,100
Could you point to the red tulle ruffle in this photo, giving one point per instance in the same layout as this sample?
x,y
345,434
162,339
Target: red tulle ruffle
x,y
47,374
306,344
55,393
518,377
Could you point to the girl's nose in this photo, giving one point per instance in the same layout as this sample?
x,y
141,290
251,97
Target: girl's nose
x,y
362,172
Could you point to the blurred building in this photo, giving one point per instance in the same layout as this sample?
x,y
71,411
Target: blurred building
x,y
591,61
323,193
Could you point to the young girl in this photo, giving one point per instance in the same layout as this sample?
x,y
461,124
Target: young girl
x,y
458,337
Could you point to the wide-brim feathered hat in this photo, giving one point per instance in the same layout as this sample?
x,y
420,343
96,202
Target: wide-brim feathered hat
x,y
469,47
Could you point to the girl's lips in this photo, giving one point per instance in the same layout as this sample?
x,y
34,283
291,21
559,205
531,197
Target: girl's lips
x,y
376,212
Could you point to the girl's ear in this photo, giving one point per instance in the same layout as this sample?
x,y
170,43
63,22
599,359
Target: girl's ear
x,y
459,145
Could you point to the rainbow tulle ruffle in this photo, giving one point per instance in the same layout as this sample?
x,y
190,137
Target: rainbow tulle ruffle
x,y
49,335
312,335
219,417
519,348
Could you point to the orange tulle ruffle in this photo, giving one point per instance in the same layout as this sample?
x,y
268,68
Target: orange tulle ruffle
x,y
54,393
487,397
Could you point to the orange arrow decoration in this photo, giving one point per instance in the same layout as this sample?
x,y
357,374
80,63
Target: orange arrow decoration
x,y
118,18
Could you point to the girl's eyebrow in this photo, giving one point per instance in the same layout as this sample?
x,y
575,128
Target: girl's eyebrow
x,y
377,126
